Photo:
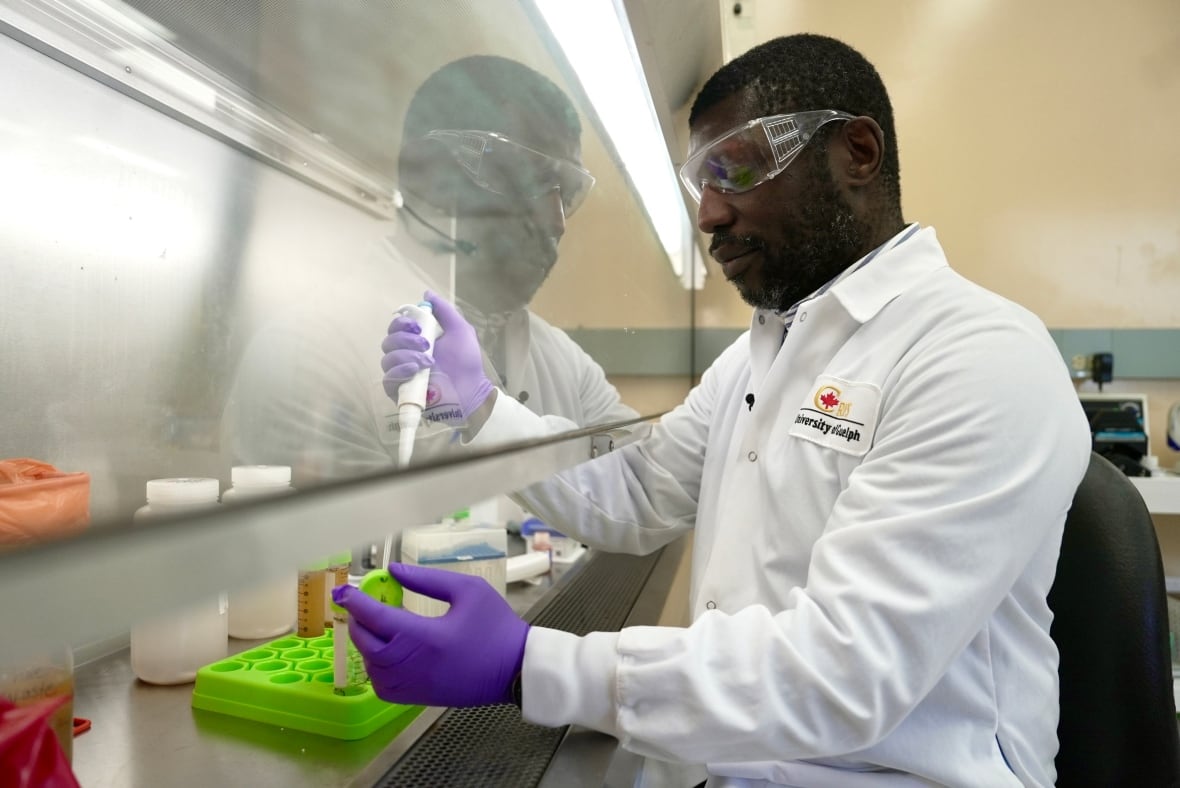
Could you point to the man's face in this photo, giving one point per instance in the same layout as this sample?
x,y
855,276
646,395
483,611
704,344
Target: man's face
x,y
515,235
783,239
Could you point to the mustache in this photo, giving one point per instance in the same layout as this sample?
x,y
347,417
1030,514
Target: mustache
x,y
750,242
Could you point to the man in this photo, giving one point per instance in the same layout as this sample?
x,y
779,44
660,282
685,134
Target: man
x,y
489,171
877,474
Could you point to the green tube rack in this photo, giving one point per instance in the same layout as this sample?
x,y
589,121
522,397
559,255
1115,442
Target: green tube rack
x,y
288,682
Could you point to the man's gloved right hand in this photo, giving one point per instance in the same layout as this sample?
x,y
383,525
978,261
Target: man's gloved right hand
x,y
469,656
456,355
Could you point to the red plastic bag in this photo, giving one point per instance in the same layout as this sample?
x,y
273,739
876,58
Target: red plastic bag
x,y
30,755
38,502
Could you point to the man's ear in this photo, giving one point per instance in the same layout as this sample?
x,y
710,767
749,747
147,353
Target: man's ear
x,y
865,145
428,171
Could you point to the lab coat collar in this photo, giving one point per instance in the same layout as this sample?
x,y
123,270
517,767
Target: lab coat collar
x,y
866,292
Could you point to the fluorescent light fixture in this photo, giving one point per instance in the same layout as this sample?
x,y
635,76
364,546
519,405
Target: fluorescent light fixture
x,y
597,42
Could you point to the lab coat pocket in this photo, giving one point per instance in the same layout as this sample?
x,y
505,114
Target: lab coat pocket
x,y
839,414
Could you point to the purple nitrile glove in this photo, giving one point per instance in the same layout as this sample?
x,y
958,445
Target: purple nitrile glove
x,y
467,657
456,355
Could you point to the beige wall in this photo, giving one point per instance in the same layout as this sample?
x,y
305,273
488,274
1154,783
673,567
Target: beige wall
x,y
612,271
1034,136
651,395
1037,137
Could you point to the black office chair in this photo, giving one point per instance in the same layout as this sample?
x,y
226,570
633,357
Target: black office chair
x,y
1118,719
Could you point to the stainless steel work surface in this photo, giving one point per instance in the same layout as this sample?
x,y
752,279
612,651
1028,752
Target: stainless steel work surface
x,y
145,735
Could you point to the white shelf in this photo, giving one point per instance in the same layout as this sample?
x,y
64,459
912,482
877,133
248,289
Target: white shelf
x,y
1161,493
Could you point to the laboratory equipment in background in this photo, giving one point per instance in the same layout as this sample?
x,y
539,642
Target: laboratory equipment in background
x,y
266,610
170,648
1173,428
457,545
1102,368
313,593
540,537
39,502
311,600
43,677
337,570
1119,429
411,395
528,567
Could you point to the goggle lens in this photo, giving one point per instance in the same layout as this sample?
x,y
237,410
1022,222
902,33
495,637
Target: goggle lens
x,y
753,153
502,166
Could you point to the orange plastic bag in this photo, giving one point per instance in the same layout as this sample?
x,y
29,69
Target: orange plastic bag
x,y
39,502
30,755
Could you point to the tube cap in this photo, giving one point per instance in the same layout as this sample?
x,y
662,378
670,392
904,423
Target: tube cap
x,y
182,490
382,586
260,475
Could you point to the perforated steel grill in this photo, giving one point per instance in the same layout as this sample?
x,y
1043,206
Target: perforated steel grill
x,y
491,746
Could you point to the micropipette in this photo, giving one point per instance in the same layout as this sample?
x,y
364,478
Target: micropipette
x,y
411,395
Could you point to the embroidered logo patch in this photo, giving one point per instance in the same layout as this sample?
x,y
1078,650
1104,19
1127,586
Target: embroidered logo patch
x,y
839,414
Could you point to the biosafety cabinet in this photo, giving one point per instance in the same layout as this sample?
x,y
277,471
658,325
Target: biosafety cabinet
x,y
211,212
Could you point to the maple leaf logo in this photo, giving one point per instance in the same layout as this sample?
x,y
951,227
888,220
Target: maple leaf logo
x,y
829,400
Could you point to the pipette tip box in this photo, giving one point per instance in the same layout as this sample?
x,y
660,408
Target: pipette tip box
x,y
288,682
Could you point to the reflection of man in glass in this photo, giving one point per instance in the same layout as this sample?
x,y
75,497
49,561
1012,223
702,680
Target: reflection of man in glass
x,y
495,147
489,171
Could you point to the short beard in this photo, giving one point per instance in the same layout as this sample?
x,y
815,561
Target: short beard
x,y
828,237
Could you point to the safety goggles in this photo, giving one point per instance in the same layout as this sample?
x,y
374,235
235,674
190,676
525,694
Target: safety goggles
x,y
501,166
754,152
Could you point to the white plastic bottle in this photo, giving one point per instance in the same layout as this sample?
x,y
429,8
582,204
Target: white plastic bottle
x,y
267,610
170,648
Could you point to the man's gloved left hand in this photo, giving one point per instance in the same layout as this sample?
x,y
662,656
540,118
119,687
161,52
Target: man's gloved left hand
x,y
456,354
467,657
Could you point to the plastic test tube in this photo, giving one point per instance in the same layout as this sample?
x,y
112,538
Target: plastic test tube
x,y
348,667
310,600
337,575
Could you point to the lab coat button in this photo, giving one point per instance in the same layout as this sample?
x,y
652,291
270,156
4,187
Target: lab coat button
x,y
752,456
711,605
802,316
761,320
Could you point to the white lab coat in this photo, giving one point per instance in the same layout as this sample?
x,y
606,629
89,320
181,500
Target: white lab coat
x,y
308,390
869,603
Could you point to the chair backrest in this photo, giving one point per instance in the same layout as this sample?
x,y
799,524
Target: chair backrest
x,y
1110,623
